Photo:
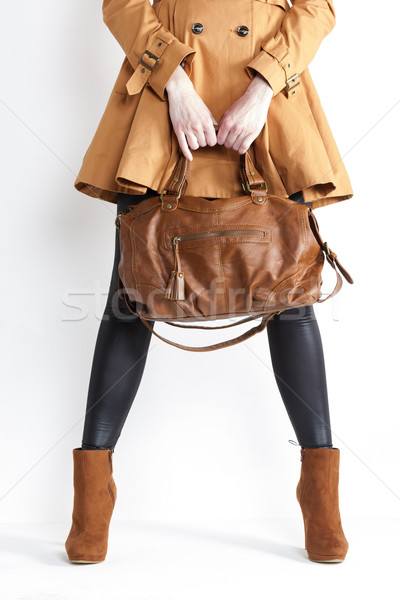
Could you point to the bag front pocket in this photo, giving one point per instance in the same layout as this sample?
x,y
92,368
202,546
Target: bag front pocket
x,y
204,261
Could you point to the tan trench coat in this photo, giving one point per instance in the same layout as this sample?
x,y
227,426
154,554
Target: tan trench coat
x,y
225,44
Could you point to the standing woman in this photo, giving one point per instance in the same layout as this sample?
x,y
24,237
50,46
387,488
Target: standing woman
x,y
191,67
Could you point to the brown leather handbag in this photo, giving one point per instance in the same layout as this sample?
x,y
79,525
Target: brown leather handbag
x,y
187,258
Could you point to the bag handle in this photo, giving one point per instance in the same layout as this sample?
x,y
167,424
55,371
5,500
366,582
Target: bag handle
x,y
240,338
251,318
178,181
244,336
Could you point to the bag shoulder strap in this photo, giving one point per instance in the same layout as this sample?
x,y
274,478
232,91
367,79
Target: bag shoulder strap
x,y
240,338
245,320
330,256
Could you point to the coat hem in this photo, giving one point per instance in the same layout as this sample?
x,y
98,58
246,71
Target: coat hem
x,y
109,194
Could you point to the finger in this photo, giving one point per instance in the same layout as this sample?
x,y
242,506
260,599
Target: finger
x,y
211,137
220,130
183,145
210,132
198,132
192,140
214,120
234,134
215,123
226,133
245,143
241,139
222,133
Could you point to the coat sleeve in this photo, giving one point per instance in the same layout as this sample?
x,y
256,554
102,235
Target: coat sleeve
x,y
290,51
151,49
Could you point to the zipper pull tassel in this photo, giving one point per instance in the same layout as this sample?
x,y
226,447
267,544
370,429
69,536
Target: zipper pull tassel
x,y
176,283
176,286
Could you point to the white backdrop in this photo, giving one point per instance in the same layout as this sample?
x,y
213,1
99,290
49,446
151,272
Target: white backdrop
x,y
216,443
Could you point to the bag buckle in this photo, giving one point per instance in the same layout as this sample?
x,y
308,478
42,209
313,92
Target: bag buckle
x,y
118,220
263,186
327,249
173,194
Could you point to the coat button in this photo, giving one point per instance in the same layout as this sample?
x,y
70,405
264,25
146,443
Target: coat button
x,y
197,27
242,30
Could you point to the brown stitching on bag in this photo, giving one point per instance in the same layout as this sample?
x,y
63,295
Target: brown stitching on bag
x,y
219,225
274,290
302,215
133,246
222,273
178,303
302,231
314,299
180,171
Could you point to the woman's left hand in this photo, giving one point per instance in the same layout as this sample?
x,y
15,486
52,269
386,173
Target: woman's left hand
x,y
242,122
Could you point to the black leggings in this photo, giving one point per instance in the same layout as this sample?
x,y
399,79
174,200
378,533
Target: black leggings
x,y
121,351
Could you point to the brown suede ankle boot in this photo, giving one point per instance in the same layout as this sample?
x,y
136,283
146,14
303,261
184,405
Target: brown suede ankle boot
x,y
318,495
95,494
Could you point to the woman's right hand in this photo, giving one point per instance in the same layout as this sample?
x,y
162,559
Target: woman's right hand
x,y
191,119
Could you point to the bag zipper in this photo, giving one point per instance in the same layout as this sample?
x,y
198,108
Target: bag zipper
x,y
195,236
176,284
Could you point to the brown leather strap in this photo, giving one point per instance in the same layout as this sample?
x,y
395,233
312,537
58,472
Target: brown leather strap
x,y
176,185
338,286
330,256
244,336
251,318
178,181
241,338
249,172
